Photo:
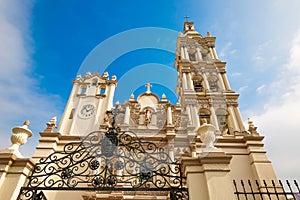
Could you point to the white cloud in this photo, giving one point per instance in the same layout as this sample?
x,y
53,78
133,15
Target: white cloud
x,y
235,74
233,51
21,97
227,49
258,58
243,88
260,89
281,117
259,55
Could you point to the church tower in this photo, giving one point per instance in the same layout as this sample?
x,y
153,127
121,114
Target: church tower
x,y
91,96
203,88
147,147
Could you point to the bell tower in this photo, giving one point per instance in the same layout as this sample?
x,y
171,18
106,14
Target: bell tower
x,y
203,88
91,96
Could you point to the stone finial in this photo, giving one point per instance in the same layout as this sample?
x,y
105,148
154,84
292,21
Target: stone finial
x,y
251,127
19,137
105,74
78,77
163,97
114,77
131,97
51,125
208,34
26,123
88,74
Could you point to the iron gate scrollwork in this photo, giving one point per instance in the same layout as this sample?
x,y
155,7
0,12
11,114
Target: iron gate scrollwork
x,y
111,160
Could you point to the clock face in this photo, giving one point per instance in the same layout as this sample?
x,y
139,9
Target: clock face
x,y
87,111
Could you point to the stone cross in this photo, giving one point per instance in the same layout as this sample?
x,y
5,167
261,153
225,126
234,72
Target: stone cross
x,y
186,18
148,86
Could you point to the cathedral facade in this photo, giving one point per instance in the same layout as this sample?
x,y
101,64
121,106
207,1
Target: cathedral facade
x,y
193,149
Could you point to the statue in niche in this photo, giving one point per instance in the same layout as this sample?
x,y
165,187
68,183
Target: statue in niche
x,y
106,119
148,116
203,121
225,129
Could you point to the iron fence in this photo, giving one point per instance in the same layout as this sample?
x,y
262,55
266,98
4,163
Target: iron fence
x,y
266,190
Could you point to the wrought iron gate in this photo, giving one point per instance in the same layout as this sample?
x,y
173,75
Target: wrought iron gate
x,y
111,160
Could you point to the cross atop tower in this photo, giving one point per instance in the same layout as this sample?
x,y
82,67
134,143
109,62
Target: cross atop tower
x,y
148,86
186,18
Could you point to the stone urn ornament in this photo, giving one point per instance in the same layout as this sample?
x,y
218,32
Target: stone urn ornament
x,y
19,137
206,133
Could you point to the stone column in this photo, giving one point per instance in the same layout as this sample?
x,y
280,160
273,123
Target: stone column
x,y
214,117
169,115
188,110
225,80
184,81
221,81
127,115
196,117
239,118
199,54
190,81
110,97
186,53
215,53
211,53
232,118
182,53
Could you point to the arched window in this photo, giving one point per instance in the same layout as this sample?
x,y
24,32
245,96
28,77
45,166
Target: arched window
x,y
222,117
204,114
205,54
94,82
192,56
213,83
83,90
102,91
198,83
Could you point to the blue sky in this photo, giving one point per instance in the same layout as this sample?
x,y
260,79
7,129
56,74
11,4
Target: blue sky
x,y
44,44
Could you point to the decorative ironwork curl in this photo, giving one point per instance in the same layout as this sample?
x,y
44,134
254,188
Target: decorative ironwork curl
x,y
105,160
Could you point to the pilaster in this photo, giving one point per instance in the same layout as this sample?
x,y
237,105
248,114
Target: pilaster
x,y
111,92
64,125
260,164
13,174
232,119
208,177
239,118
47,145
